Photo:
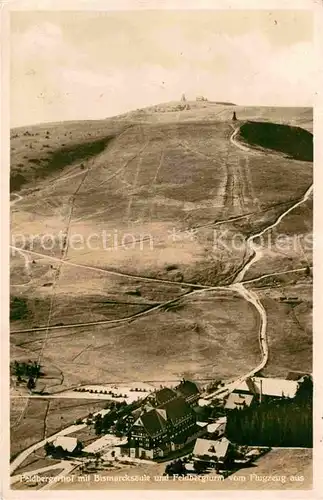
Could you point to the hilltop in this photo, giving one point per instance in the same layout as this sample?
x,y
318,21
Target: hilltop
x,y
219,111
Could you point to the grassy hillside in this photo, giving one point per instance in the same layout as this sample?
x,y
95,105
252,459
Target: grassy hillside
x,y
172,192
161,181
44,150
40,151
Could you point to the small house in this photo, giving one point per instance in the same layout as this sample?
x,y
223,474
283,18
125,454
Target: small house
x,y
212,451
239,401
67,443
217,428
274,387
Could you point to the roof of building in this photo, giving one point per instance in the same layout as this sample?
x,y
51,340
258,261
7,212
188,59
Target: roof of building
x,y
213,449
238,401
202,424
214,426
221,420
203,402
153,422
270,386
66,442
182,437
295,375
164,395
135,413
177,409
187,389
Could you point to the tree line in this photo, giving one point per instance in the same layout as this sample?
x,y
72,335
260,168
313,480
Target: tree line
x,y
275,422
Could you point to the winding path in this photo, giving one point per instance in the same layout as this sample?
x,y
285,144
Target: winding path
x,y
114,273
238,144
251,239
250,295
25,454
18,198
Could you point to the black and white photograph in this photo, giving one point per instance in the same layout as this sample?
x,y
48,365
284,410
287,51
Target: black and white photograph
x,y
161,241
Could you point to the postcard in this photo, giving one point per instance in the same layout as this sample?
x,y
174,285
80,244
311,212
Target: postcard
x,y
160,248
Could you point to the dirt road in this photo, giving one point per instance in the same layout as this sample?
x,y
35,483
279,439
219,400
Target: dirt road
x,y
251,296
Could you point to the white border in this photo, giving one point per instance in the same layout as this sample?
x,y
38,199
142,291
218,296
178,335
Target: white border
x,y
90,5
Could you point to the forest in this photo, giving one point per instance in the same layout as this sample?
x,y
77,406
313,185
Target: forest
x,y
275,422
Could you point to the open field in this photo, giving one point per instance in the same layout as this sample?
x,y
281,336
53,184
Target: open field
x,y
26,423
290,337
188,339
288,246
36,460
165,112
29,485
155,183
40,151
88,295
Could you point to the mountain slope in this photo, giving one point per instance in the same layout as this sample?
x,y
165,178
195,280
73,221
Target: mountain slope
x,y
168,196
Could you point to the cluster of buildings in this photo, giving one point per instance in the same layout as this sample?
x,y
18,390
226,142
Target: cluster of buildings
x,y
260,388
215,448
168,419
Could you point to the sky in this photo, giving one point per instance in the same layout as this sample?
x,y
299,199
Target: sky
x,y
69,65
